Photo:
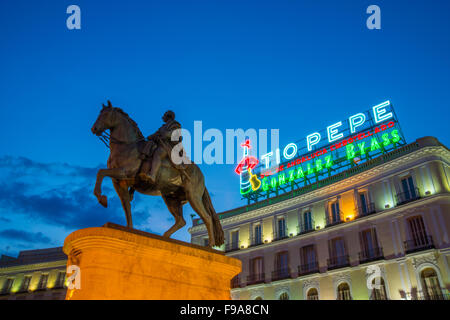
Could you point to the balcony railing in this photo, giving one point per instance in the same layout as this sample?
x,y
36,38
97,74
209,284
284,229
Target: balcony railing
x,y
256,241
281,274
280,235
338,262
344,295
371,255
306,227
255,278
418,244
232,246
308,268
332,220
366,210
407,196
437,294
236,282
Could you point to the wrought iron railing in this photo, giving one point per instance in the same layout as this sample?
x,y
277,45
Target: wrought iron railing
x,y
306,226
407,196
256,278
280,235
280,274
435,294
371,255
308,268
338,262
334,219
365,210
232,246
419,243
256,241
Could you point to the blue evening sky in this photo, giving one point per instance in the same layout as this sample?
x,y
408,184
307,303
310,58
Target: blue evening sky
x,y
295,65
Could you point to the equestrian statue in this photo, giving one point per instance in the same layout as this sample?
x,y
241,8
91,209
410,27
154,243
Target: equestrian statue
x,y
148,167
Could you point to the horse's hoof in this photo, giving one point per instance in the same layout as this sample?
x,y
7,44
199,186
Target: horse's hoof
x,y
103,201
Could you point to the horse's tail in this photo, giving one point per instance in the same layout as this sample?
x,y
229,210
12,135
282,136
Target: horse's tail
x,y
218,231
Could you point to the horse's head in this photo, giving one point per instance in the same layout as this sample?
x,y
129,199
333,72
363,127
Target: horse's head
x,y
105,120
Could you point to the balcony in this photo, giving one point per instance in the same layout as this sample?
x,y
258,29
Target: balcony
x,y
335,219
255,278
235,282
281,274
418,244
365,210
280,235
232,246
306,227
407,196
338,262
436,294
308,268
371,255
256,241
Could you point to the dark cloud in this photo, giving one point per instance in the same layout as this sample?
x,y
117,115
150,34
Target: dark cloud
x,y
24,236
56,194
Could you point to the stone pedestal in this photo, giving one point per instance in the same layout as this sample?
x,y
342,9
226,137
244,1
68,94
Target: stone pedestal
x,y
118,263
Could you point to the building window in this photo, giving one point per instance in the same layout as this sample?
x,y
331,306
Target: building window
x,y
281,266
7,286
334,213
419,239
378,291
43,282
256,271
409,191
205,242
60,280
308,259
338,253
308,222
343,292
312,294
431,288
25,284
258,298
234,244
369,246
257,237
284,296
281,228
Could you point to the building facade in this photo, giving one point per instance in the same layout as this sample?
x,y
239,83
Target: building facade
x,y
379,230
34,275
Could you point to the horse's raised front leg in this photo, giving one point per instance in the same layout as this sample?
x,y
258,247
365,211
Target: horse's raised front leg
x,y
117,173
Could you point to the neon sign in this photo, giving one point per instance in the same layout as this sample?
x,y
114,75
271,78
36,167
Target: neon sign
x,y
347,144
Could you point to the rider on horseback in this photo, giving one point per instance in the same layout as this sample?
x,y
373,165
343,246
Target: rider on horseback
x,y
159,146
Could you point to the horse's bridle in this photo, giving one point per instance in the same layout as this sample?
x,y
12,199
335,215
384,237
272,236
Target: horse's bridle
x,y
107,138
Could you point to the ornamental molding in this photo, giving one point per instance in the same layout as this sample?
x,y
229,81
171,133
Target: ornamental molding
x,y
436,153
429,258
310,283
281,289
257,293
342,277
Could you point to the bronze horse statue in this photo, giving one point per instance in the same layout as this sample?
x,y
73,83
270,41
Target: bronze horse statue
x,y
176,189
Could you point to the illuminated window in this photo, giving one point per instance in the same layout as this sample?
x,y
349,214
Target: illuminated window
x,y
60,280
25,284
419,239
258,298
43,282
409,191
7,286
312,294
431,288
257,234
379,290
343,292
284,296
